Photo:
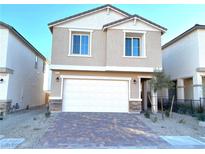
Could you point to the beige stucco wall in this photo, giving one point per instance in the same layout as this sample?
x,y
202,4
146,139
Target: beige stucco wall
x,y
107,49
60,49
115,50
134,89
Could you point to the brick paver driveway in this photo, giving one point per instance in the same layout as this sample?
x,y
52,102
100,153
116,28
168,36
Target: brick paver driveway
x,y
99,130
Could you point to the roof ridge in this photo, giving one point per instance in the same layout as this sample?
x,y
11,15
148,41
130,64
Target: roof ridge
x,y
183,34
131,16
88,11
22,38
116,21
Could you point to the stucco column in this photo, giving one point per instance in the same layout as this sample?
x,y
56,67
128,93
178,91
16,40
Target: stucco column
x,y
154,101
145,95
180,89
197,86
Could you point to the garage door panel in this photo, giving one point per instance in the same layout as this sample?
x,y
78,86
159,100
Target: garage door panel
x,y
95,96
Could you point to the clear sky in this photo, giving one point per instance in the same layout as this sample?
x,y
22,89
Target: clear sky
x,y
31,20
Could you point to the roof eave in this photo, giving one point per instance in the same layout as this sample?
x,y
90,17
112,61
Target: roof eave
x,y
51,24
190,30
162,29
15,32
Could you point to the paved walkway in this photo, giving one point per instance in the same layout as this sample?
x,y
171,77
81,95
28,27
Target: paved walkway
x,y
100,130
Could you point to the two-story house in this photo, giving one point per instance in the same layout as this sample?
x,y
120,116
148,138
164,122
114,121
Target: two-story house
x,y
184,61
21,70
102,59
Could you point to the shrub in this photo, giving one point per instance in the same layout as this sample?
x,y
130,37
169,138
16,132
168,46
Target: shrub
x,y
147,114
155,119
48,114
200,117
167,113
200,110
184,109
1,115
182,121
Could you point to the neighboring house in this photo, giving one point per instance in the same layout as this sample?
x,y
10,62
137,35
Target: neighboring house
x,y
47,81
47,77
184,61
21,70
102,59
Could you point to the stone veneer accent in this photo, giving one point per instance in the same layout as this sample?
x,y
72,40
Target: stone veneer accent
x,y
135,106
56,106
5,106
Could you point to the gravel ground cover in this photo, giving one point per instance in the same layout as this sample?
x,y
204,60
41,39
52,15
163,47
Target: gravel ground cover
x,y
177,125
28,124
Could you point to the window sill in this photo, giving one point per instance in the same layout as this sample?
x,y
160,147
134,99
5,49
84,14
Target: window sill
x,y
137,57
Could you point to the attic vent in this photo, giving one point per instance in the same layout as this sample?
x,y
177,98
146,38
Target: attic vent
x,y
135,20
108,10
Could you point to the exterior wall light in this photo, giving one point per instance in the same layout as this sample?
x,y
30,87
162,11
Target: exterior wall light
x,y
134,81
1,80
57,79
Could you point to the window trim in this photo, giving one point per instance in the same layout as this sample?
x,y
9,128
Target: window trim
x,y
80,44
142,44
70,54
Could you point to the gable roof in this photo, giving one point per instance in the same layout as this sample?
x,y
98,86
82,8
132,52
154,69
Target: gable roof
x,y
195,27
15,32
163,29
51,24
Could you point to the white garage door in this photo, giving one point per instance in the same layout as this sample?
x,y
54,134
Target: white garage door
x,y
95,96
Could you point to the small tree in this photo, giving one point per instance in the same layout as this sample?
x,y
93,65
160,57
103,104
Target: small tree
x,y
160,81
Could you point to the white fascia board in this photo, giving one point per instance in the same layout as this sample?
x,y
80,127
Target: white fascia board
x,y
102,68
151,25
113,25
134,18
67,20
60,22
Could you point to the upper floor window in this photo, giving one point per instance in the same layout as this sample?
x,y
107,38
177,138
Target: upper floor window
x,y
80,42
43,69
36,62
134,45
